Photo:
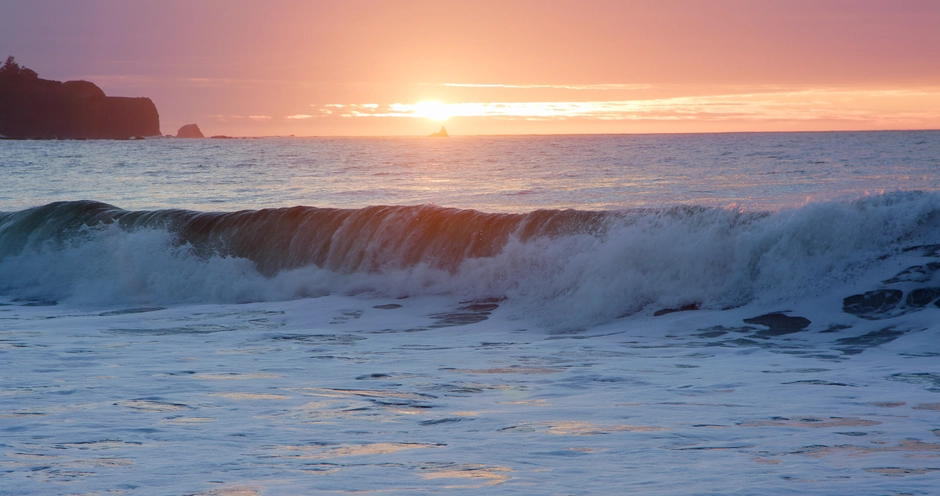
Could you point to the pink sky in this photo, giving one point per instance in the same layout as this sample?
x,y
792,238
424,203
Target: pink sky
x,y
495,67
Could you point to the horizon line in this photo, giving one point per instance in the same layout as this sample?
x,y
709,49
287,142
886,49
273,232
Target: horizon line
x,y
561,134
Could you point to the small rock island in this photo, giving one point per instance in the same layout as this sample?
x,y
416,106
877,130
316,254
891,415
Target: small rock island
x,y
440,134
189,131
34,108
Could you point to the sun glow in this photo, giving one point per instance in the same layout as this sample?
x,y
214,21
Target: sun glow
x,y
798,105
435,111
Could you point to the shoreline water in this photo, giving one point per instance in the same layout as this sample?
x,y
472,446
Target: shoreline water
x,y
150,344
381,395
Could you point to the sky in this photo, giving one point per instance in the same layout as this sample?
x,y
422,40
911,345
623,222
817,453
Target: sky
x,y
406,67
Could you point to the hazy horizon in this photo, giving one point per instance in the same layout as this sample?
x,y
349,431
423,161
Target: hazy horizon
x,y
367,68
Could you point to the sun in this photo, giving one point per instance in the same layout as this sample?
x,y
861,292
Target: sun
x,y
435,111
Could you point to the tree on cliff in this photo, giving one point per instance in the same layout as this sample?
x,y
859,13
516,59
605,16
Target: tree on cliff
x,y
12,70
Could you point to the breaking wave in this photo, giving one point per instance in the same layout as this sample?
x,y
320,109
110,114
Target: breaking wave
x,y
575,267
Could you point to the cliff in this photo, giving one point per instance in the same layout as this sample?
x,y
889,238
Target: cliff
x,y
35,108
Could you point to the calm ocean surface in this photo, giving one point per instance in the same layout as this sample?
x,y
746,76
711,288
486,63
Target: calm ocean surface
x,y
660,314
491,174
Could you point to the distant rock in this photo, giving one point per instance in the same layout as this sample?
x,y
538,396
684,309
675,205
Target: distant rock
x,y
440,134
34,108
189,131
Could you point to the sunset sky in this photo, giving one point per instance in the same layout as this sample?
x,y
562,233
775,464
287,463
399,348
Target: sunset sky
x,y
496,67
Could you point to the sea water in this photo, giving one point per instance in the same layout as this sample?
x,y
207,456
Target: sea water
x,y
667,314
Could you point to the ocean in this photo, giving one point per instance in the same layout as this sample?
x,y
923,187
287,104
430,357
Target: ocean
x,y
752,313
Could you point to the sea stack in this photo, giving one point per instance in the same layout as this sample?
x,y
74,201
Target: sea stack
x,y
189,131
440,134
34,108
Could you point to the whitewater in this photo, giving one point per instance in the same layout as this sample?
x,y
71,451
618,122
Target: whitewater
x,y
662,314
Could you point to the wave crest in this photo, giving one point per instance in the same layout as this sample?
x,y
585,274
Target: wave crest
x,y
563,266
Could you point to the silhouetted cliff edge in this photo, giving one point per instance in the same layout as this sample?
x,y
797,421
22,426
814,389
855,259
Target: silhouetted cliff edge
x,y
34,108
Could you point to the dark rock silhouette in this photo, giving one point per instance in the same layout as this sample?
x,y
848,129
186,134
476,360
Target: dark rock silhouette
x,y
34,108
920,297
440,134
779,324
873,303
189,131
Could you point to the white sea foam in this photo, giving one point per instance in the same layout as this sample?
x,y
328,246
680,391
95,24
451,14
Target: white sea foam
x,y
451,351
712,258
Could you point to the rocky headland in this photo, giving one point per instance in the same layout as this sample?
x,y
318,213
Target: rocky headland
x,y
35,108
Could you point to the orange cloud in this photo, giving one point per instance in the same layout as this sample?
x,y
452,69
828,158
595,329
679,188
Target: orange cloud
x,y
802,105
